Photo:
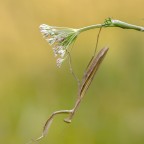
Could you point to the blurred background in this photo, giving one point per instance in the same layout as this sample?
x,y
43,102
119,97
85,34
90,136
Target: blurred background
x,y
32,87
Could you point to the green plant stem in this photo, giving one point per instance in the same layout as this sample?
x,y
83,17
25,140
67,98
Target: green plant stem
x,y
113,23
91,27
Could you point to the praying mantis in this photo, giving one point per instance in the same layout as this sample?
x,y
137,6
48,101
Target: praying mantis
x,y
83,86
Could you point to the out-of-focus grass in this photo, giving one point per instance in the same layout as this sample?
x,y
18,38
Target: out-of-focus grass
x,y
31,87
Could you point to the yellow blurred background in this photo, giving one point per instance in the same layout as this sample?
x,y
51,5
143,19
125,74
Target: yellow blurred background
x,y
32,87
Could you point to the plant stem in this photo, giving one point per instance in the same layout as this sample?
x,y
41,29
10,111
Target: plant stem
x,y
113,23
91,27
124,25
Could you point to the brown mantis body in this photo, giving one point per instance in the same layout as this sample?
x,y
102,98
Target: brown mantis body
x,y
87,79
89,74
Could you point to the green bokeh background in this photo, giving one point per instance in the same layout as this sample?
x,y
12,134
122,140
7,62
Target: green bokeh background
x,y
32,87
